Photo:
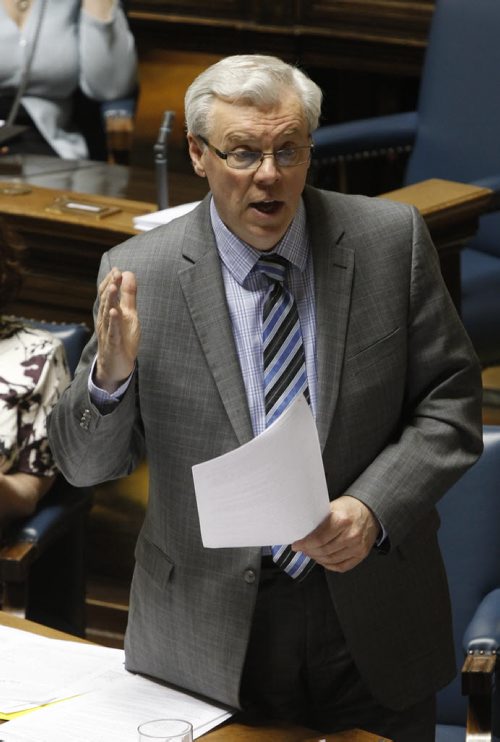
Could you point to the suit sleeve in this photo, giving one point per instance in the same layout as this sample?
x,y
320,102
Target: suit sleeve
x,y
91,447
441,431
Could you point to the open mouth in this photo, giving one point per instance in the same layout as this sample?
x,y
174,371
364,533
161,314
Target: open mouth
x,y
267,207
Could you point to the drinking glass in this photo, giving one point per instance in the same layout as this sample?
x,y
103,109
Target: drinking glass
x,y
165,730
119,125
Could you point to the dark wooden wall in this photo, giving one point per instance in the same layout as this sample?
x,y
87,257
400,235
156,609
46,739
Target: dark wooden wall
x,y
365,54
352,34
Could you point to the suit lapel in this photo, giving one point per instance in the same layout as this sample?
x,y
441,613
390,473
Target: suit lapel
x,y
333,273
203,288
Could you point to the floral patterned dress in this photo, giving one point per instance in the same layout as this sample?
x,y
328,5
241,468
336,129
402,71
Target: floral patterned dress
x,y
33,374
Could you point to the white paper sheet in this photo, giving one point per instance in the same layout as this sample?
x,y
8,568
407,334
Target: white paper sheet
x,y
112,714
271,490
154,219
35,670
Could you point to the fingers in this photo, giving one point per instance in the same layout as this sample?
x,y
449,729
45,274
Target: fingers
x,y
109,292
117,329
117,295
344,538
128,290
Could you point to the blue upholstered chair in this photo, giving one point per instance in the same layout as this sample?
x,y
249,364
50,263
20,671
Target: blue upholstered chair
x,y
454,135
42,566
470,542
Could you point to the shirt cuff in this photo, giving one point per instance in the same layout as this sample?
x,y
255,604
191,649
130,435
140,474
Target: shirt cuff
x,y
100,397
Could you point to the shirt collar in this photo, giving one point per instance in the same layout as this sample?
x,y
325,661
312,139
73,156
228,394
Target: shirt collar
x,y
239,257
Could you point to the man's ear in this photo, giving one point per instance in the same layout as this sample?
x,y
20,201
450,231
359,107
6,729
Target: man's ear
x,y
195,153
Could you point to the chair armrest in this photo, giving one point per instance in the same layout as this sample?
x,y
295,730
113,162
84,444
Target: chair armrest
x,y
483,632
364,136
481,642
57,512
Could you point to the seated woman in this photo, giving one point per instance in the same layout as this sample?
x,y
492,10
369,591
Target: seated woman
x,y
33,374
67,45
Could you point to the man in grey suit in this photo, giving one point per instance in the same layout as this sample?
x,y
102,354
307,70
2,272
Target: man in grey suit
x,y
175,372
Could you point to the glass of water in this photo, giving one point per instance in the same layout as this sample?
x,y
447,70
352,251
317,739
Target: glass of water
x,y
165,730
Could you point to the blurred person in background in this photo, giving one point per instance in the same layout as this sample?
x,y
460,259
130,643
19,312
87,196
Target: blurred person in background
x,y
33,374
49,50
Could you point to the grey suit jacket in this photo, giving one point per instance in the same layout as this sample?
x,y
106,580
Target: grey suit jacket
x,y
398,417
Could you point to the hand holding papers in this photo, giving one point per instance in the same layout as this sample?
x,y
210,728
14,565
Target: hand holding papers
x,y
272,490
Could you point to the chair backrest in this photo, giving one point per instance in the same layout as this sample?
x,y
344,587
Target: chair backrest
x,y
470,542
459,102
73,335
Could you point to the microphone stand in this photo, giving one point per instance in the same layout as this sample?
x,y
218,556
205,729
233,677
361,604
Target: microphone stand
x,y
160,153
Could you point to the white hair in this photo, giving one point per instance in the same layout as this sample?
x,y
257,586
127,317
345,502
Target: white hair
x,y
256,79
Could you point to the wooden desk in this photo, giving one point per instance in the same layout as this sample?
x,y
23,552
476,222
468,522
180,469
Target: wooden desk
x,y
234,732
451,211
229,732
64,250
100,178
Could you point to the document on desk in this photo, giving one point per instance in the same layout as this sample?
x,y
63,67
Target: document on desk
x,y
35,670
112,704
271,490
153,219
113,713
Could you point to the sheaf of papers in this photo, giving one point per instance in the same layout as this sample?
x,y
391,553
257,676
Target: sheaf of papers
x,y
271,490
163,216
113,713
100,701
31,677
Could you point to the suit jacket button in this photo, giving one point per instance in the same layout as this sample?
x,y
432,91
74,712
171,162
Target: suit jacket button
x,y
85,419
249,576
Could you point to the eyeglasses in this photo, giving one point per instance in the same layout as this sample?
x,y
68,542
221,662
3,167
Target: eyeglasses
x,y
243,159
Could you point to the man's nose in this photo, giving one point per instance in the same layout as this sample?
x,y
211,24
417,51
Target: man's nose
x,y
268,168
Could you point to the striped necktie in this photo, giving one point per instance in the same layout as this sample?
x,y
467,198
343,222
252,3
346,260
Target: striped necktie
x,y
285,375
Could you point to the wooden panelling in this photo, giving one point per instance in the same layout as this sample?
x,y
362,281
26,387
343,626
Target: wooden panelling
x,y
165,76
366,55
382,35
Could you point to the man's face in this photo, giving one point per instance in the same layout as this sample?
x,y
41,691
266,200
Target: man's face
x,y
256,205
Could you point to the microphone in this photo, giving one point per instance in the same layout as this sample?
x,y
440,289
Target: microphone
x,y
160,156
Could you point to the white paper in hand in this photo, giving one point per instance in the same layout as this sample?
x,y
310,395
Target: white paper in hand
x,y
271,490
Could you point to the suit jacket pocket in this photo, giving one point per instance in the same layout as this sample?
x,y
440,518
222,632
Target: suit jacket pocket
x,y
373,381
375,353
154,561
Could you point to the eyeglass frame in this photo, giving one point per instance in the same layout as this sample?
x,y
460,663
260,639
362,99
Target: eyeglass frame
x,y
260,159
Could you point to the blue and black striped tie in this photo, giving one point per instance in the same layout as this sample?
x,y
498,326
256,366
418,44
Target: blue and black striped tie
x,y
285,374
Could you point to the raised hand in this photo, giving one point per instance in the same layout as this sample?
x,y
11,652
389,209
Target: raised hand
x,y
117,328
